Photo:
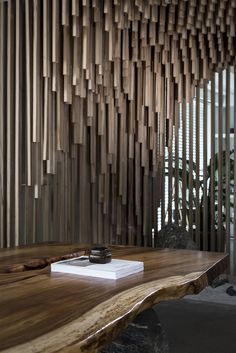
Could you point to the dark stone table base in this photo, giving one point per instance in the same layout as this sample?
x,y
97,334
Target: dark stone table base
x,y
144,335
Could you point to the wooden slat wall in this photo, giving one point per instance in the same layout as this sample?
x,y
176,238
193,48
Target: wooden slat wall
x,y
93,90
207,193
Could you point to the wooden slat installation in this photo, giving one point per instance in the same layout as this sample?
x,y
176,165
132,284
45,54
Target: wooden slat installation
x,y
107,77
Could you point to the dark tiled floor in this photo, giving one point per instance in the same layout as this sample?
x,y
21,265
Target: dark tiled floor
x,y
198,326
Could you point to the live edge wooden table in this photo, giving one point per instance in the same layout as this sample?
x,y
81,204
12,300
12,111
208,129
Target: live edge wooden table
x,y
53,312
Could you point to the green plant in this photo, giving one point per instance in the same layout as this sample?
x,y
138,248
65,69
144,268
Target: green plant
x,y
200,184
223,183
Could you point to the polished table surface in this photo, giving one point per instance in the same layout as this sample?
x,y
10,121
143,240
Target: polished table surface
x,y
53,312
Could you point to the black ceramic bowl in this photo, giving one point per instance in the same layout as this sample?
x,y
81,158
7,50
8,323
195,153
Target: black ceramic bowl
x,y
100,255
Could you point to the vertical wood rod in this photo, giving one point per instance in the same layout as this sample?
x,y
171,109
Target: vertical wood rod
x,y
176,176
220,241
205,173
198,223
227,162
191,168
2,65
184,179
212,177
234,170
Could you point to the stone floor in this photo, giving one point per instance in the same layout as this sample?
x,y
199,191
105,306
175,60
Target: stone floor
x,y
203,323
144,335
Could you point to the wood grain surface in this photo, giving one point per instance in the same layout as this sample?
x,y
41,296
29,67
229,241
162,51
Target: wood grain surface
x,y
90,93
52,312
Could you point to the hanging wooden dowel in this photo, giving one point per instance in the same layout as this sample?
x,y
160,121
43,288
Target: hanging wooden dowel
x,y
227,166
18,99
220,235
10,122
28,59
2,125
176,175
45,38
163,201
205,170
45,120
36,82
234,170
55,31
170,190
184,179
191,168
198,216
212,164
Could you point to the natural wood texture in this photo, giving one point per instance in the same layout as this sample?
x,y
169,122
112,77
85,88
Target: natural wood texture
x,y
184,175
191,195
227,161
170,182
176,175
44,312
209,166
2,124
9,64
198,217
212,188
220,242
28,94
205,186
89,101
18,102
234,169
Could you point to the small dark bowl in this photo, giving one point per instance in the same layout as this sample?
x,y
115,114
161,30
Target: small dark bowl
x,y
100,255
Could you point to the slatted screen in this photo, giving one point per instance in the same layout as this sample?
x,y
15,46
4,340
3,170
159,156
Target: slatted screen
x,y
91,94
208,191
